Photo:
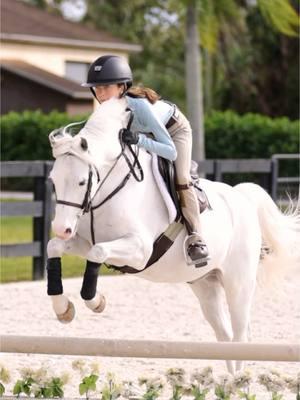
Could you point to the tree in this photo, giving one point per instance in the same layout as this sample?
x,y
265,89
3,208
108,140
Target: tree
x,y
231,43
194,92
279,13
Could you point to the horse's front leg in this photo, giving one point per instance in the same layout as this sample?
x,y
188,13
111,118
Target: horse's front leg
x,y
132,249
63,308
92,299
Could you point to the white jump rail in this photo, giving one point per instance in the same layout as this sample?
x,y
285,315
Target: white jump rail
x,y
149,348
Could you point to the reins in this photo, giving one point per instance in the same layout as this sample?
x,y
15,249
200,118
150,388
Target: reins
x,y
122,184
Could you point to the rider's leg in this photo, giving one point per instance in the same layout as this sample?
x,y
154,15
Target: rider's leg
x,y
181,134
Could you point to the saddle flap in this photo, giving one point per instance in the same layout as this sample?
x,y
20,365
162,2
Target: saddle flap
x,y
168,173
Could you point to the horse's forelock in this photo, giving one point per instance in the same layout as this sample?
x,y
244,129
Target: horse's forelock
x,y
70,145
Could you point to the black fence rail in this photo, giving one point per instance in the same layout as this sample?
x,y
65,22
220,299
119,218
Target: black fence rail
x,y
41,206
39,209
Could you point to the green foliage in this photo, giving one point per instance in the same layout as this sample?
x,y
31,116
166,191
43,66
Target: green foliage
x,y
221,394
111,389
2,389
51,389
228,135
199,394
281,15
246,396
23,386
88,384
225,387
25,135
155,25
153,388
257,71
253,68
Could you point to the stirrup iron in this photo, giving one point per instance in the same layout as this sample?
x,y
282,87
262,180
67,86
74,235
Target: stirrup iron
x,y
191,239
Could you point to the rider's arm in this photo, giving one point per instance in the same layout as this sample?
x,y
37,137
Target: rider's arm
x,y
163,145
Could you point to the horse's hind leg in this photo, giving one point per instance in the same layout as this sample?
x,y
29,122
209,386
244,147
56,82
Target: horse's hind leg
x,y
239,296
209,293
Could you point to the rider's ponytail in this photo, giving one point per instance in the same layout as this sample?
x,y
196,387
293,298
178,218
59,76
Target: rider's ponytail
x,y
143,93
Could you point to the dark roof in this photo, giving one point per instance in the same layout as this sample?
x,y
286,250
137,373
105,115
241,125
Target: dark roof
x,y
20,20
45,78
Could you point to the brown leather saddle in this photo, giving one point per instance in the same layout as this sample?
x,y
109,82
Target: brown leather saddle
x,y
168,172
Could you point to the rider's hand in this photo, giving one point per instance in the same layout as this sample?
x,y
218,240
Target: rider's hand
x,y
129,137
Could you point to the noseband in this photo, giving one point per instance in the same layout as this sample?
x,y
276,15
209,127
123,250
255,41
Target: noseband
x,y
87,201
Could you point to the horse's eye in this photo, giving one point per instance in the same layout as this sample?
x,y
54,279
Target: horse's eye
x,y
81,183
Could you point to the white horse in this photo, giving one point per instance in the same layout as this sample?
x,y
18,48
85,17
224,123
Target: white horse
x,y
89,167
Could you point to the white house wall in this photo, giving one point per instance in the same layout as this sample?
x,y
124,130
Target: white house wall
x,y
50,58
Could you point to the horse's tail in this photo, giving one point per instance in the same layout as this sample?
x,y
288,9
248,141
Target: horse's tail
x,y
280,233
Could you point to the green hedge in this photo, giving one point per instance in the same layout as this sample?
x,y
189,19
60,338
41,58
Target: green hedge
x,y
25,135
228,135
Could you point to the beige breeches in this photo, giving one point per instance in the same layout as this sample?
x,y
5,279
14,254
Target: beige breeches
x,y
181,134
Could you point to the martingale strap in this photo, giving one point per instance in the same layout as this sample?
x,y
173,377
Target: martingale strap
x,y
161,245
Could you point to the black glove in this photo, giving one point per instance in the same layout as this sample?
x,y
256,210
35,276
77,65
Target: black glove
x,y
129,137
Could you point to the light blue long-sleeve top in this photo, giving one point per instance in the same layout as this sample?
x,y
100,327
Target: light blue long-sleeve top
x,y
152,118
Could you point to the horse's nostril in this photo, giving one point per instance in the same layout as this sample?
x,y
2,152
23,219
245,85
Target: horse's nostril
x,y
68,231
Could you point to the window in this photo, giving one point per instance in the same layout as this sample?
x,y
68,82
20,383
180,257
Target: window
x,y
77,71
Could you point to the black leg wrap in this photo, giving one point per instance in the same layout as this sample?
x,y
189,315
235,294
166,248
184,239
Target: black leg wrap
x,y
89,284
54,276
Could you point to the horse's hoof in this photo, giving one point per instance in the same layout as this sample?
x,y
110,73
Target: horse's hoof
x,y
68,315
101,305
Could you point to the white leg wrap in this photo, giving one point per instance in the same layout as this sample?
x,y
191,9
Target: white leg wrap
x,y
94,302
59,303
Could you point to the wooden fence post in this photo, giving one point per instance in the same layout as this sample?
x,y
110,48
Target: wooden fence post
x,y
274,178
218,171
41,225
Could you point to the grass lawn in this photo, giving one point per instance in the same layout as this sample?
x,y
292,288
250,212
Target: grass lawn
x,y
19,230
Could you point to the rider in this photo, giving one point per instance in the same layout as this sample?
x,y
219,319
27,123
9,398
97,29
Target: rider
x,y
110,76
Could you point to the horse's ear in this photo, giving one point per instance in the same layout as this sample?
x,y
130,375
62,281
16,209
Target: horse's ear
x,y
83,143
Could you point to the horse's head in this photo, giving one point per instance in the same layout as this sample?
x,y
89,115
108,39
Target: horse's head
x,y
81,160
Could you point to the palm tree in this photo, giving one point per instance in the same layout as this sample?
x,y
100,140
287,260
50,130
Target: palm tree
x,y
204,19
194,94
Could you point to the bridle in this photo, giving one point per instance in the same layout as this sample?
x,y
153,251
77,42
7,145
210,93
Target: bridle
x,y
86,205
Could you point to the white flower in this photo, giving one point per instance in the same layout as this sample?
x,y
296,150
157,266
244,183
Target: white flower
x,y
203,377
130,390
175,376
242,379
41,375
95,367
4,374
81,366
293,384
65,377
272,382
35,388
226,383
26,372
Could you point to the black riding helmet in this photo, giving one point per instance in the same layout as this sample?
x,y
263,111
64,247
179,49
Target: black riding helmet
x,y
108,70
